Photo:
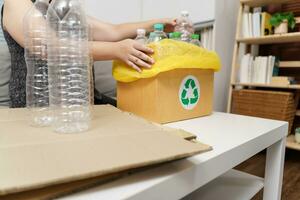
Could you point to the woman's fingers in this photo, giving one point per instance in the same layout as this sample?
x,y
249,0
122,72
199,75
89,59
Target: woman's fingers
x,y
143,48
137,61
143,57
134,66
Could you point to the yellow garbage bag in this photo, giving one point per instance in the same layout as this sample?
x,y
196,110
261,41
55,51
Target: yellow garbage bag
x,y
169,55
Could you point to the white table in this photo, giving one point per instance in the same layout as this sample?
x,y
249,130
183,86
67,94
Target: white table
x,y
234,139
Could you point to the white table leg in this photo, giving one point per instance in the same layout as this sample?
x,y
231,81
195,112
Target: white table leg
x,y
274,170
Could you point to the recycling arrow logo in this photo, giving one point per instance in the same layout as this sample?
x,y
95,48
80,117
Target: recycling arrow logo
x,y
189,92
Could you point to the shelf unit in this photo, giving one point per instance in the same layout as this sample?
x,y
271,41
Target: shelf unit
x,y
269,39
289,64
291,143
257,3
297,87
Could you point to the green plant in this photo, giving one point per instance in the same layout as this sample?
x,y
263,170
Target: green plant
x,y
278,18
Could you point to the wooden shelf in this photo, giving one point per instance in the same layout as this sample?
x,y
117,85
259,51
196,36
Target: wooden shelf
x,y
289,64
272,39
267,85
291,143
257,3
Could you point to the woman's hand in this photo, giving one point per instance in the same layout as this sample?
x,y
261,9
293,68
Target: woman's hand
x,y
169,24
134,54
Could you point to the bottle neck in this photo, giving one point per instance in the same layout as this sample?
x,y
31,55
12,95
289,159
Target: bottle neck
x,y
43,1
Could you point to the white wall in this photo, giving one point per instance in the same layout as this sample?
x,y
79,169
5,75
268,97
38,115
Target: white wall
x,y
200,10
225,28
115,11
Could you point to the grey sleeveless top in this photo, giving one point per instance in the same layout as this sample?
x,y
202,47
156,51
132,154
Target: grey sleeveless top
x,y
17,83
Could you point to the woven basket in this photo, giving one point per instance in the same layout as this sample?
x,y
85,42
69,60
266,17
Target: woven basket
x,y
265,104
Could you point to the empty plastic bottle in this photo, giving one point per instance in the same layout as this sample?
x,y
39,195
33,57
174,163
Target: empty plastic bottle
x,y
196,40
184,26
171,36
69,60
37,91
141,36
177,36
151,37
158,33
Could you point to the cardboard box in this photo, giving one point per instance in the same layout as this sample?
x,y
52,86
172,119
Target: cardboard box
x,y
34,158
170,96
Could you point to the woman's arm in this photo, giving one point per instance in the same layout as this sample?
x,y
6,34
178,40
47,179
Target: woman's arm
x,y
14,12
110,32
128,51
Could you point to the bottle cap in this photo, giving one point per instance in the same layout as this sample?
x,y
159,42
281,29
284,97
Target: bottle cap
x,y
176,34
195,37
185,13
141,31
159,27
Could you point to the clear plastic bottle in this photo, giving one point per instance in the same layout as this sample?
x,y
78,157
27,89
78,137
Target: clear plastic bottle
x,y
141,36
91,71
185,26
158,33
37,90
69,60
151,37
196,40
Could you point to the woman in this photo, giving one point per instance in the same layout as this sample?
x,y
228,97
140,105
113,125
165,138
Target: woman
x,y
109,43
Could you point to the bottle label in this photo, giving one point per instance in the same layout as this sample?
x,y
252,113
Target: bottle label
x,y
189,92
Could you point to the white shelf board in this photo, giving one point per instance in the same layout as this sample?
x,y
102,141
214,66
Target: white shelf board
x,y
233,185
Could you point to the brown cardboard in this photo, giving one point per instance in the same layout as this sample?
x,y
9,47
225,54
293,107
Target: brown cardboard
x,y
33,158
59,190
157,98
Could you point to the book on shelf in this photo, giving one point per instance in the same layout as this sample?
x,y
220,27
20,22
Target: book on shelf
x,y
270,72
246,32
258,69
255,24
266,27
283,80
250,15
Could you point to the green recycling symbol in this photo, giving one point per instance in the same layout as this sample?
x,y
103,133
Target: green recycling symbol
x,y
189,92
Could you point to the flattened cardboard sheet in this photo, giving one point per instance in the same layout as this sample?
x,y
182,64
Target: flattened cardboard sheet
x,y
33,158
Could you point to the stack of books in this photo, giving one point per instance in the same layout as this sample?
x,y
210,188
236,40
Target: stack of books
x,y
256,24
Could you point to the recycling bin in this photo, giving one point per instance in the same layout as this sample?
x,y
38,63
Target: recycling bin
x,y
179,85
170,96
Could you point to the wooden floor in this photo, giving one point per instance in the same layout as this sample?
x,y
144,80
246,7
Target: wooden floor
x,y
291,177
